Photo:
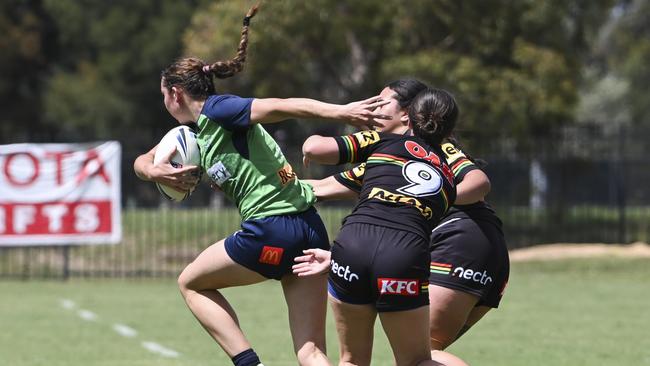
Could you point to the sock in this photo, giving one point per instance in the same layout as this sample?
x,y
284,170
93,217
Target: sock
x,y
246,358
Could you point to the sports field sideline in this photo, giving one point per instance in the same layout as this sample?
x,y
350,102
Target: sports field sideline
x,y
564,312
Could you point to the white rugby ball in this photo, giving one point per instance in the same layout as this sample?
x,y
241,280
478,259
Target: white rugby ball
x,y
182,139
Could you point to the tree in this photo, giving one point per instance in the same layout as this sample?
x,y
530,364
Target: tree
x,y
615,92
514,66
25,52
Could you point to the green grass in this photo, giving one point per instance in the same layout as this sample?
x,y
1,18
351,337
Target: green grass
x,y
571,312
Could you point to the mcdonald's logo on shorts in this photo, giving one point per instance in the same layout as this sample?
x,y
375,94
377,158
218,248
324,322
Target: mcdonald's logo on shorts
x,y
271,255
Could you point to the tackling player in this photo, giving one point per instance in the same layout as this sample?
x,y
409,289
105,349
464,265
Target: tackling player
x,y
469,260
379,260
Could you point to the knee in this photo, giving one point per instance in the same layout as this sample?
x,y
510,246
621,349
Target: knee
x,y
183,282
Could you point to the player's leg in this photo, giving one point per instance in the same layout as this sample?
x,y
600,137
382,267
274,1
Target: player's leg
x,y
354,325
211,270
306,299
468,263
474,316
407,331
401,268
449,310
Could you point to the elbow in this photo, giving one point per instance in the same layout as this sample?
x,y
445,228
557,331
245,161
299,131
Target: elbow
x,y
320,149
311,146
140,167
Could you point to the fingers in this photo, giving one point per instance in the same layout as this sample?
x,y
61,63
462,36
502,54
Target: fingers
x,y
312,251
376,115
304,269
304,258
301,269
378,103
187,169
371,99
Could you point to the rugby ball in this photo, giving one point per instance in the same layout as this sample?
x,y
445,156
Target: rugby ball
x,y
181,139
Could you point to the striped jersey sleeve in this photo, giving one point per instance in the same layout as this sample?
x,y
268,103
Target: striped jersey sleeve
x,y
353,178
460,164
356,148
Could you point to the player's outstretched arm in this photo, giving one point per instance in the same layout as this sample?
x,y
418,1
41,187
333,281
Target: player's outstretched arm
x,y
329,189
361,113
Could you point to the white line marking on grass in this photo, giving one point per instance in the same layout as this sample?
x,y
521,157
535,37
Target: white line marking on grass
x,y
67,304
121,329
156,348
87,315
124,330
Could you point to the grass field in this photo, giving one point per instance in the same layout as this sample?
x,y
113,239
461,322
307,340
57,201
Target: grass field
x,y
569,312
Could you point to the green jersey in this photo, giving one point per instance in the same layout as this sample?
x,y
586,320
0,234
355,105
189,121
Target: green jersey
x,y
246,163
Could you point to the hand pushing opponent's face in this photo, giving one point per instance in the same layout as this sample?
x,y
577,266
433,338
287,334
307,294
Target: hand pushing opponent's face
x,y
398,121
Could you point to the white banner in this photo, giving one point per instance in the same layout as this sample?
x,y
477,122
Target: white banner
x,y
58,194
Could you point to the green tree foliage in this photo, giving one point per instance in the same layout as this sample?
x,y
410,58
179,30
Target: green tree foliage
x,y
26,34
106,81
615,93
514,66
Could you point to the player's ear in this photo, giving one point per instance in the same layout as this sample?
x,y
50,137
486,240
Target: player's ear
x,y
177,94
404,118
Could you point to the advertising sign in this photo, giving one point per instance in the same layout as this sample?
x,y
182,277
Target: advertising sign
x,y
60,194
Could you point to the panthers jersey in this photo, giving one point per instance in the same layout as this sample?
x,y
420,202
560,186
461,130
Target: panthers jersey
x,y
406,184
460,165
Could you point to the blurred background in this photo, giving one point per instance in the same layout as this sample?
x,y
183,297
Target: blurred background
x,y
553,96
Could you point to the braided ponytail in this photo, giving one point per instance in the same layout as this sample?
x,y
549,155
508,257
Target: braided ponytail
x,y
226,69
195,76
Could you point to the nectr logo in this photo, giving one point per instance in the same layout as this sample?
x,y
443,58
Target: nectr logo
x,y
271,255
470,274
398,286
343,272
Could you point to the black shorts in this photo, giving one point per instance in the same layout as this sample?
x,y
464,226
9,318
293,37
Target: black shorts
x,y
471,256
381,266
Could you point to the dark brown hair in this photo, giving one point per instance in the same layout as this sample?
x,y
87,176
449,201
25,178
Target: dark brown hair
x,y
195,76
433,114
405,90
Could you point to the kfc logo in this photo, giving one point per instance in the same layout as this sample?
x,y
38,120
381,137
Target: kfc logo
x,y
398,286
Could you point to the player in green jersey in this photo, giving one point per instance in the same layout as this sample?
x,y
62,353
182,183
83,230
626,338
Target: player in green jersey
x,y
279,220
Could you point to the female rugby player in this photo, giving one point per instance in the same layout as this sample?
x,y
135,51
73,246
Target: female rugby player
x,y
469,259
379,260
279,220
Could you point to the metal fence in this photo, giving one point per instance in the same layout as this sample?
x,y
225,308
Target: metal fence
x,y
579,190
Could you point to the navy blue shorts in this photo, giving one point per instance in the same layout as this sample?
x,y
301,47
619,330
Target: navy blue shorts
x,y
379,266
269,245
